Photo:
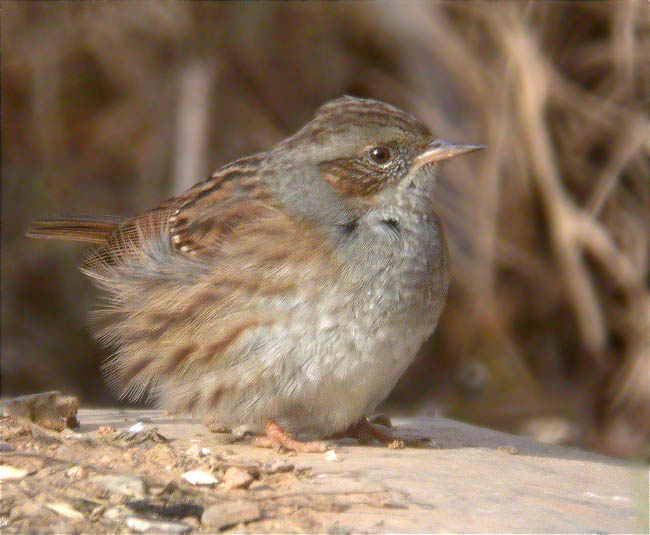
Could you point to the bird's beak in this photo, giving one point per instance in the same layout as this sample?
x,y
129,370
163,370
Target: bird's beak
x,y
438,151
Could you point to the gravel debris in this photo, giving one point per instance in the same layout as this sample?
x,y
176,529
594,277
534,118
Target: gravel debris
x,y
106,481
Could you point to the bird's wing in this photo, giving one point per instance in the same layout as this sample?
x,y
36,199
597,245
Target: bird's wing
x,y
214,209
196,221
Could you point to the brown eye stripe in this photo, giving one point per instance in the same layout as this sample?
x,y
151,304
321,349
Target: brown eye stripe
x,y
350,177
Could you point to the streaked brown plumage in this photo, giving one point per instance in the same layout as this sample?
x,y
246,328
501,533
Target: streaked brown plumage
x,y
289,290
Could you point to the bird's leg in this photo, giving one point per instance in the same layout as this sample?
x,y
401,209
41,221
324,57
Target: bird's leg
x,y
278,438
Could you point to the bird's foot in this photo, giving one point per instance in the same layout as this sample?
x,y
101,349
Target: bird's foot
x,y
276,437
366,432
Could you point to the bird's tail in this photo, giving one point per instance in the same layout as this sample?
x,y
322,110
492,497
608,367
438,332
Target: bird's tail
x,y
89,229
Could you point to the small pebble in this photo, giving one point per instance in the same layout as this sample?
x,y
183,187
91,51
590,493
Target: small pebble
x,y
197,451
193,451
114,513
396,445
191,521
9,472
221,515
126,485
198,477
330,455
105,430
65,510
148,525
97,512
512,450
76,472
277,466
136,428
236,478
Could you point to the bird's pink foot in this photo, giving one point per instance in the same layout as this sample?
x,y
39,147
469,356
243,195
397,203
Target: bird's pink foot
x,y
366,432
276,437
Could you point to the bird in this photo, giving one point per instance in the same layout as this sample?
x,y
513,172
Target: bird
x,y
287,292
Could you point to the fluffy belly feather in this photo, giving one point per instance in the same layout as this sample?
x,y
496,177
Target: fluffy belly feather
x,y
323,370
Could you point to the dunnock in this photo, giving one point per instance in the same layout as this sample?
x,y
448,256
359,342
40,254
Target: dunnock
x,y
290,290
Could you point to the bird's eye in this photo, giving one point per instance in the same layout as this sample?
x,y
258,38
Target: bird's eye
x,y
380,155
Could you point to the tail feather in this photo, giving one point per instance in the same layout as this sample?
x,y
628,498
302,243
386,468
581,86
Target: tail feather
x,y
89,229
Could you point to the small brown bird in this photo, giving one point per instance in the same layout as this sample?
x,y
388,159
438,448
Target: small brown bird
x,y
290,290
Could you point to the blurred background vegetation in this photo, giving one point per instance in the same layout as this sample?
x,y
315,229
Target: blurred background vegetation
x,y
110,108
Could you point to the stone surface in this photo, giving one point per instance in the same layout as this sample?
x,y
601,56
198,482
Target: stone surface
x,y
468,480
471,481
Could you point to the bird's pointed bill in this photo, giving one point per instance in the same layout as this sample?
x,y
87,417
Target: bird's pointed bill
x,y
439,151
